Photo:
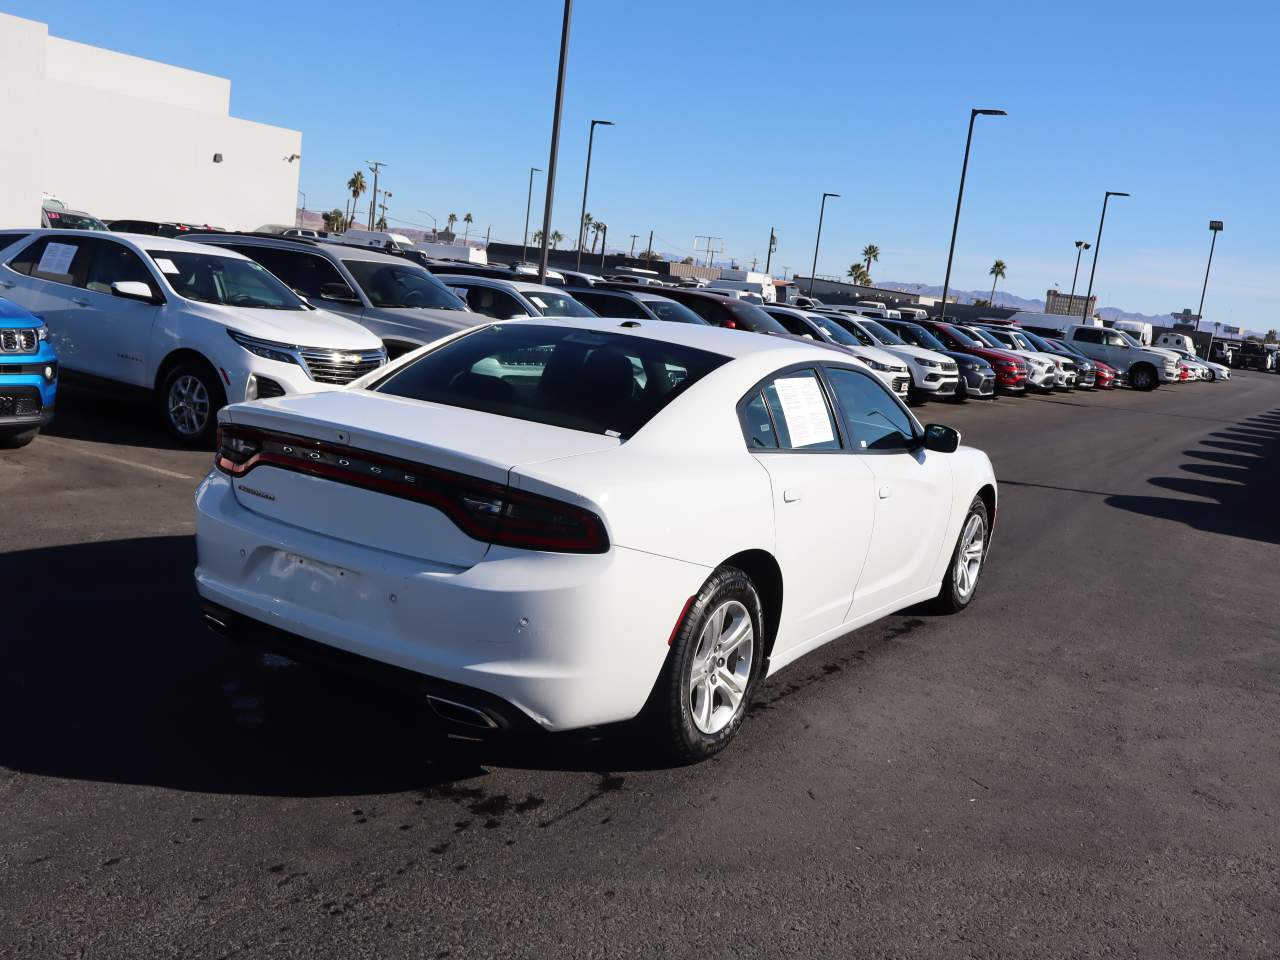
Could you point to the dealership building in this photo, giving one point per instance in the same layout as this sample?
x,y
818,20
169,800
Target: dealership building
x,y
122,137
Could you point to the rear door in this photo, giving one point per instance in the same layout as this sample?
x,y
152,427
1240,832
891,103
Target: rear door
x,y
823,500
912,492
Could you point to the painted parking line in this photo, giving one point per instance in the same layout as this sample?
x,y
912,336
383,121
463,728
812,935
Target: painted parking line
x,y
76,448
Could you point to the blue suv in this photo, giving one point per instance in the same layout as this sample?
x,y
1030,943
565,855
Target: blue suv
x,y
28,375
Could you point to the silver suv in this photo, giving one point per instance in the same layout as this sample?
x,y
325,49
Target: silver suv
x,y
393,298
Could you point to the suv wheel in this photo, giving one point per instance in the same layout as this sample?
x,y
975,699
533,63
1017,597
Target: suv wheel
x,y
1143,377
711,672
191,397
12,441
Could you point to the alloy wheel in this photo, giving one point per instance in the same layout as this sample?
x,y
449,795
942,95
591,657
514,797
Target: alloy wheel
x,y
188,405
969,556
721,667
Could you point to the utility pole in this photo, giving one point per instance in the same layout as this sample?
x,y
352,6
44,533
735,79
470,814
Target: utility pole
x,y
773,245
524,248
603,240
648,254
754,261
1215,226
487,231
374,166
710,245
555,140
632,254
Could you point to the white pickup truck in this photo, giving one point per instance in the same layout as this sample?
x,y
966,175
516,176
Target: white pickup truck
x,y
1145,367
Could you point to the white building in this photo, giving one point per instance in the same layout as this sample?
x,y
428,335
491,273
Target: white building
x,y
122,137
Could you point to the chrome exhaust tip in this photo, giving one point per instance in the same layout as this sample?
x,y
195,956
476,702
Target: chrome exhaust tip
x,y
215,624
461,713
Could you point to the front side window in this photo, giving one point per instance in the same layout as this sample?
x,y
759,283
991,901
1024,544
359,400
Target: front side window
x,y
873,417
491,302
1113,339
227,281
793,324
1088,335
114,263
604,383
304,273
800,412
551,304
404,286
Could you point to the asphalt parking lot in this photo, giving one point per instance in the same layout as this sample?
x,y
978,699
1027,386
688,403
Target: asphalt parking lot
x,y
1086,763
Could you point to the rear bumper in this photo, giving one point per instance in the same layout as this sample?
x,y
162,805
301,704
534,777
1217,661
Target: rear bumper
x,y
568,640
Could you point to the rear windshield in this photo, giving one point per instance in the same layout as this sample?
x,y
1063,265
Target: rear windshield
x,y
401,286
881,333
553,304
597,382
673,312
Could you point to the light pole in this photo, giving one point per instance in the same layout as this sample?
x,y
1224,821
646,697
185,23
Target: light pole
x,y
555,140
955,226
1097,245
603,241
374,166
1215,227
632,254
1081,247
586,179
822,209
524,248
773,245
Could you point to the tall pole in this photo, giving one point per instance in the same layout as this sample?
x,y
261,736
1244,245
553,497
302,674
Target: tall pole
x,y
955,225
604,240
555,141
1214,227
648,254
375,166
632,254
773,242
1097,245
586,179
1081,247
524,248
822,209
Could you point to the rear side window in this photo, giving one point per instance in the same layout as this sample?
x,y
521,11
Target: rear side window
x,y
304,273
793,324
491,302
59,259
597,382
800,412
1088,336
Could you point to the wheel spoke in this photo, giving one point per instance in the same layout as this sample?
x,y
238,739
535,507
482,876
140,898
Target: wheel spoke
x,y
737,635
708,697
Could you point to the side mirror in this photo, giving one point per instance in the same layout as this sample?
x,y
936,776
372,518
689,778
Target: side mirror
x,y
337,291
941,439
133,290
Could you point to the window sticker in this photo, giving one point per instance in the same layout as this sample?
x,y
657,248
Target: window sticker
x,y
805,410
166,265
57,258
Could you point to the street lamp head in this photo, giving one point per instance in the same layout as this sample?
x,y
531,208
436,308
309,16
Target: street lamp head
x,y
1117,193
603,123
535,169
825,195
1083,244
990,113
1215,225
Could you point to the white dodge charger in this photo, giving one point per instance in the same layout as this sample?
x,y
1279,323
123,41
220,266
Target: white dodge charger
x,y
558,524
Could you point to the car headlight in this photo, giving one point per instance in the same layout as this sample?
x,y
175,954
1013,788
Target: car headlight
x,y
267,349
42,332
926,363
877,365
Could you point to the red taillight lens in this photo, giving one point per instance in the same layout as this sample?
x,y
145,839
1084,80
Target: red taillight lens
x,y
484,510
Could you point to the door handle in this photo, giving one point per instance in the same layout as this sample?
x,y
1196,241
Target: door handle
x,y
886,492
790,496
80,301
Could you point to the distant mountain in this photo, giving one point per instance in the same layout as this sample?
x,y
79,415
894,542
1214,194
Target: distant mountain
x,y
1014,302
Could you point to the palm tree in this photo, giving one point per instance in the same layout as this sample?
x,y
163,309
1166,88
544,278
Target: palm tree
x,y
556,238
451,220
586,227
382,223
870,253
597,227
334,220
537,238
467,219
858,274
357,186
997,274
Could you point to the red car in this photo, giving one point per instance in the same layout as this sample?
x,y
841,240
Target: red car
x,y
1011,370
1108,377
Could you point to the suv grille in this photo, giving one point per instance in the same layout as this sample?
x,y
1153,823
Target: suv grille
x,y
949,368
340,366
18,341
19,402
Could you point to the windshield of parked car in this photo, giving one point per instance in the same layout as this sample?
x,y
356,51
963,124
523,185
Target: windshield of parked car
x,y
1038,343
230,281
989,339
920,337
671,311
62,220
551,304
883,334
598,382
963,337
852,327
836,332
1127,339
401,286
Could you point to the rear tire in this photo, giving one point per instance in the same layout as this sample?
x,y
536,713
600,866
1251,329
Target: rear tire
x,y
711,672
1143,377
960,582
14,441
190,399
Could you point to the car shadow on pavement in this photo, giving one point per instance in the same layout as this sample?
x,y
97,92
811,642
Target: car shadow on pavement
x,y
1230,493
86,412
123,683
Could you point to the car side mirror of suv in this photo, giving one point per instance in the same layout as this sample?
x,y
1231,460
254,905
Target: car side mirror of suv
x,y
337,291
134,290
940,438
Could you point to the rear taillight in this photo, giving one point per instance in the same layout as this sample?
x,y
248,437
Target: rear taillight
x,y
486,511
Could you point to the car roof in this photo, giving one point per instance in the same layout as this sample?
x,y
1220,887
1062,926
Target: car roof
x,y
142,242
520,286
305,244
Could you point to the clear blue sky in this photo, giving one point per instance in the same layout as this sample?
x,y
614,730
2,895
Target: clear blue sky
x,y
734,117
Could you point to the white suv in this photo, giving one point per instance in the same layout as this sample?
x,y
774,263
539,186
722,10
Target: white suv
x,y
199,326
933,374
